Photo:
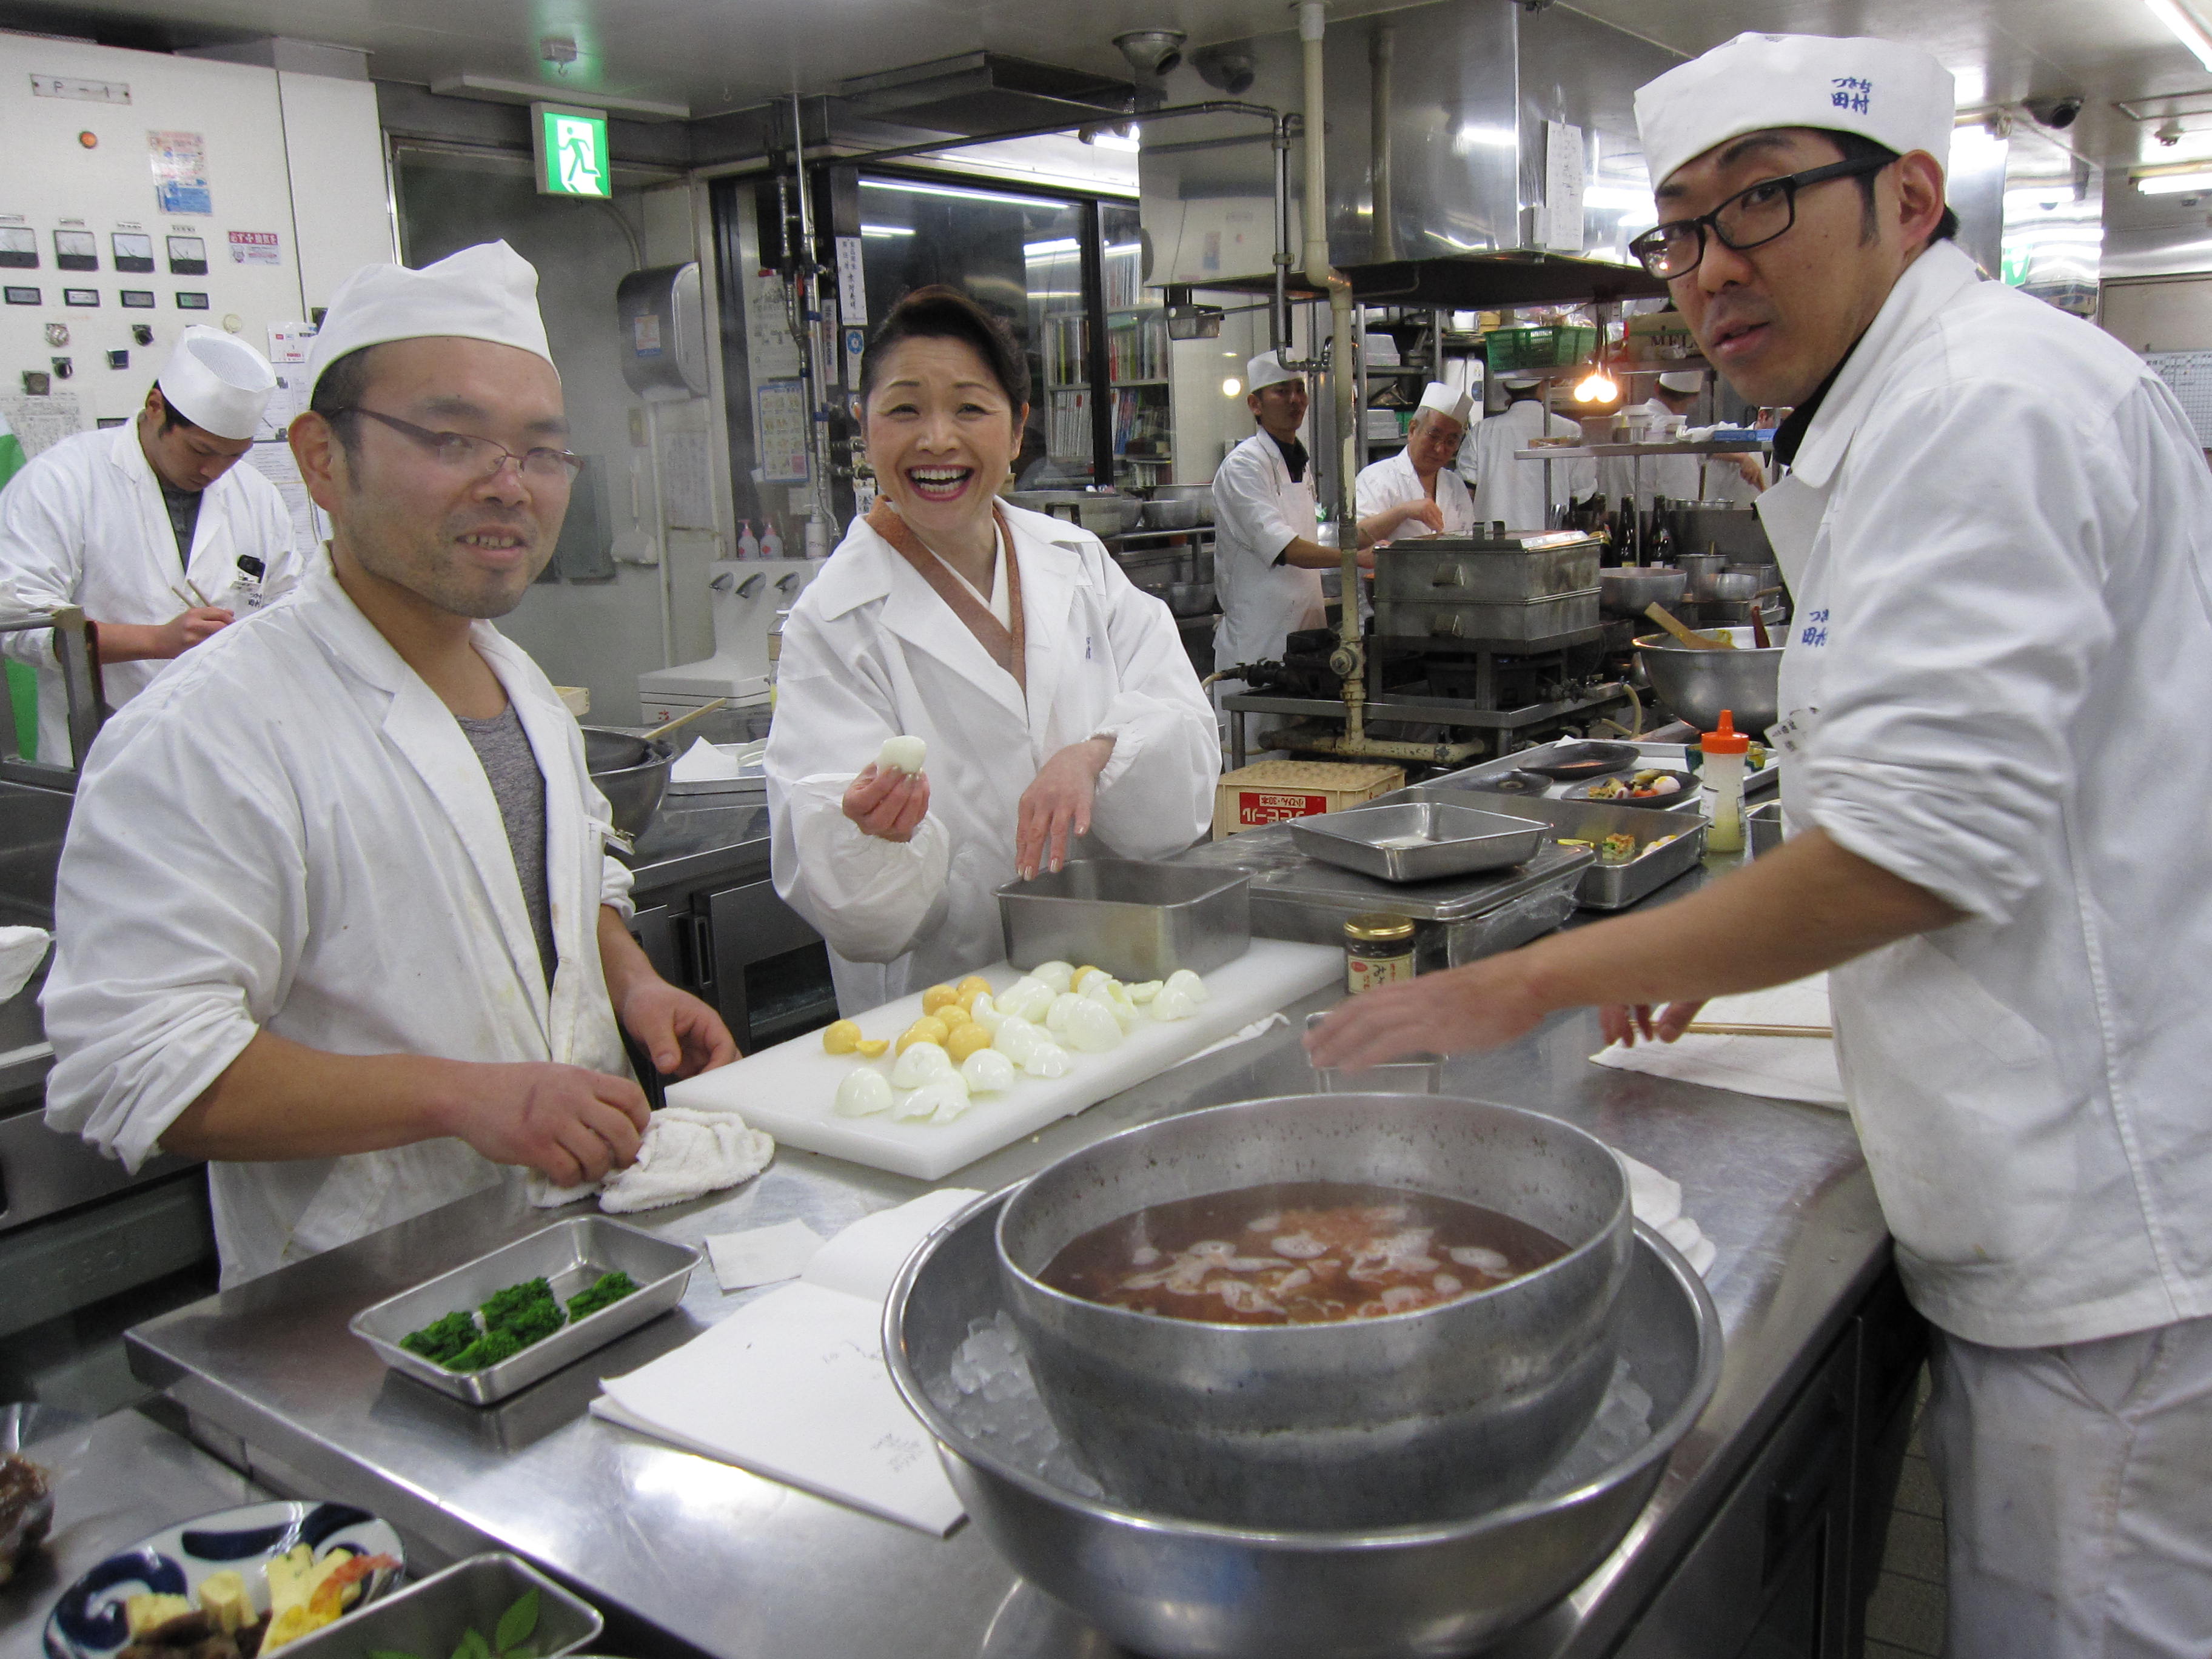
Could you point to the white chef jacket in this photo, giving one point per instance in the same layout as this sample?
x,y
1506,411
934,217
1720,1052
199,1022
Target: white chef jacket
x,y
291,832
1393,482
1257,512
1678,478
1511,491
1998,534
871,651
84,524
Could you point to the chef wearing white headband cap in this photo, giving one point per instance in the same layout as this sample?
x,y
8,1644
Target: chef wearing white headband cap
x,y
152,526
335,911
1997,526
1418,487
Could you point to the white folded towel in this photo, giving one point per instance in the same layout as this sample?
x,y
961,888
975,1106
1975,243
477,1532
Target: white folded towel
x,y
1778,1067
1658,1201
21,950
686,1154
706,762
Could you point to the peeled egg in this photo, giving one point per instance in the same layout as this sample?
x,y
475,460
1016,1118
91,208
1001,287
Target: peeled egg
x,y
1172,1003
984,1013
918,1064
840,1036
941,1099
902,755
1091,1028
1143,994
987,1071
1190,984
927,1029
1048,1059
1083,977
862,1093
1058,974
1055,1018
1029,1000
1015,1038
970,1039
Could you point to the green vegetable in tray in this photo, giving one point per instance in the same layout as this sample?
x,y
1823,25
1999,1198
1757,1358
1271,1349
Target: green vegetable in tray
x,y
610,1288
487,1350
440,1339
510,1638
503,1305
509,1322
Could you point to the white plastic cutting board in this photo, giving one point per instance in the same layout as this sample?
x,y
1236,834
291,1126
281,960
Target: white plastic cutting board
x,y
788,1089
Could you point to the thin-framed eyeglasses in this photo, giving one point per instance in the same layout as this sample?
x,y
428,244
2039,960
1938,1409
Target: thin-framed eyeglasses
x,y
1750,218
480,457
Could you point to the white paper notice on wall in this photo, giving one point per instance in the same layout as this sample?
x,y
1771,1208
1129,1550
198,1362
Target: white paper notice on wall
x,y
181,172
687,493
288,356
852,284
2190,375
274,462
780,431
1563,187
42,422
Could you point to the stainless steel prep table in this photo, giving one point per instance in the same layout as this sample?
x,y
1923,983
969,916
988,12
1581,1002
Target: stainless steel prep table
x,y
733,1564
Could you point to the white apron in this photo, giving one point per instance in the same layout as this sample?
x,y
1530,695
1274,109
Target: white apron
x,y
1257,510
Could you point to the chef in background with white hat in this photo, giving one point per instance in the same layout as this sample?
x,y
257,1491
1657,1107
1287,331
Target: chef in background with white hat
x,y
1731,478
1422,474
1996,526
335,911
1507,489
152,526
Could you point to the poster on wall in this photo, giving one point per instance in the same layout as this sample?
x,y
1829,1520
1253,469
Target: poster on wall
x,y
255,247
780,428
289,343
180,174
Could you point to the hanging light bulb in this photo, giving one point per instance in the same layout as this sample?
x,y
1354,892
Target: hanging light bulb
x,y
1596,387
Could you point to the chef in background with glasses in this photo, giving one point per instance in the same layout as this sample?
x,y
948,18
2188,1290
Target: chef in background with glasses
x,y
335,912
1996,526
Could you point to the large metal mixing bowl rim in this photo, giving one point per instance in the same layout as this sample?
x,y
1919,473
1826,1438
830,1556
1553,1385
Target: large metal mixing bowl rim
x,y
1137,1319
1667,642
1664,1436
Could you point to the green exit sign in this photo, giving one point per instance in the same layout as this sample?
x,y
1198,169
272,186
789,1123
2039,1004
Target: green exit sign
x,y
571,148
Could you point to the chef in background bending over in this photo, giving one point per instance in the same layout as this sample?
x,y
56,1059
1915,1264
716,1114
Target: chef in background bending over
x,y
1997,524
334,911
1057,710
1733,477
1507,489
1421,473
152,526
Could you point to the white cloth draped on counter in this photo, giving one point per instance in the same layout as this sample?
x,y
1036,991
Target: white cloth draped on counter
x,y
870,651
1393,483
290,833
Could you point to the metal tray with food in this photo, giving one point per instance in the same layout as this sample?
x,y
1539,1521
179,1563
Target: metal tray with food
x,y
1138,919
1416,841
1518,770
572,1258
511,1607
1660,846
1660,788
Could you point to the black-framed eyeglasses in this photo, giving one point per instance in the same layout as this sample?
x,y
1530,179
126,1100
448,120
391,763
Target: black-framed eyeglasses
x,y
480,457
1750,218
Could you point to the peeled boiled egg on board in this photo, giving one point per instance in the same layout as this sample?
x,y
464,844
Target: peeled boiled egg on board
x,y
1144,992
1055,1018
1028,999
1172,1003
1090,1027
902,755
1190,984
984,1011
1016,1039
940,1100
1112,993
1058,974
863,1093
987,1071
1049,1060
970,1039
918,1064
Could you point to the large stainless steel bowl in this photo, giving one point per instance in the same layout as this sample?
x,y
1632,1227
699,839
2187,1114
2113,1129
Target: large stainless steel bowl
x,y
1626,590
631,772
1419,1416
1170,514
1182,1590
1695,685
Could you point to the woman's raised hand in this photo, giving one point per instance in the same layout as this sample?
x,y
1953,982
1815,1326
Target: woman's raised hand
x,y
890,805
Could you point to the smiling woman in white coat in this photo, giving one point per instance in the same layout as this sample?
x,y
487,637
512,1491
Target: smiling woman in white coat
x,y
1060,714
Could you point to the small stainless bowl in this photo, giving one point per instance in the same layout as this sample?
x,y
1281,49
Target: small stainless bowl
x,y
631,772
1413,1417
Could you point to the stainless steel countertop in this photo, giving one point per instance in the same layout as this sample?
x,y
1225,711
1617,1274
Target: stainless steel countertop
x,y
685,844
736,1565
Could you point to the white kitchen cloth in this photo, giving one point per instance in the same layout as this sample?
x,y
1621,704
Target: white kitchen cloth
x,y
705,762
762,1255
685,1154
1780,1068
792,1385
1658,1201
21,950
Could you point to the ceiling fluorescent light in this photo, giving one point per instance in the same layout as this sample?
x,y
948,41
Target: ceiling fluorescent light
x,y
2186,26
2180,181
996,198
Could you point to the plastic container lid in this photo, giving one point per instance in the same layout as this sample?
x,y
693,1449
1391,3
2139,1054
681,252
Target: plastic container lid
x,y
1726,741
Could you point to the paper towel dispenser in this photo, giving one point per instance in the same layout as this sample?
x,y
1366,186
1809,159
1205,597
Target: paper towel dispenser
x,y
663,318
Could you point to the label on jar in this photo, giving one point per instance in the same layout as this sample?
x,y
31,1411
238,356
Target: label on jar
x,y
1365,973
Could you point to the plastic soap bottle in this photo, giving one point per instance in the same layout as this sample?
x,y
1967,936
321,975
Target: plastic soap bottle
x,y
1722,774
771,545
747,547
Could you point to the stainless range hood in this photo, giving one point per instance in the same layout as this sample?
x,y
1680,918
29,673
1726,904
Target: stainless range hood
x,y
984,92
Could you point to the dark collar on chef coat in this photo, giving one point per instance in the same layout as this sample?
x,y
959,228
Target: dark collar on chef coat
x,y
1790,435
1294,456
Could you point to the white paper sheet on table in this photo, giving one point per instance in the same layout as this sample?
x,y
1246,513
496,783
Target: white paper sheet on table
x,y
1780,1068
706,762
792,1385
762,1255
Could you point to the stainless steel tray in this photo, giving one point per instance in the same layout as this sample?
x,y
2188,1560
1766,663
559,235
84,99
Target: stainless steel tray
x,y
569,1255
1418,840
1435,570
1511,621
1603,886
1137,919
1672,756
430,1618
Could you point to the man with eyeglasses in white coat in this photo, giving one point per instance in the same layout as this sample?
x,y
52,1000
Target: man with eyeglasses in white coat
x,y
1996,524
335,911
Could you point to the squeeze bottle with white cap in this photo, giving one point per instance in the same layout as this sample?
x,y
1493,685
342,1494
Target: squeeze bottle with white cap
x,y
1722,774
747,547
771,545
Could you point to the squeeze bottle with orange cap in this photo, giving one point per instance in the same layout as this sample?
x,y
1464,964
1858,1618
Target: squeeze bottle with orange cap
x,y
1722,775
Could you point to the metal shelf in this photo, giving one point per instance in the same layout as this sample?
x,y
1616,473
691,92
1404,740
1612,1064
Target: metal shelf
x,y
1605,451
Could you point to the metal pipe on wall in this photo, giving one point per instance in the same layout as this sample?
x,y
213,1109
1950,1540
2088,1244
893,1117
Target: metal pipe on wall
x,y
1381,49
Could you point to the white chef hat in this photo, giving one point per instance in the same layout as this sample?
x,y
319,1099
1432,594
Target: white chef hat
x,y
1520,382
1684,381
487,292
1266,369
1447,401
1898,95
217,381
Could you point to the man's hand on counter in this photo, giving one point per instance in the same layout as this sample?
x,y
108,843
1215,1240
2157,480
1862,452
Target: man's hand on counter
x,y
684,1034
1801,909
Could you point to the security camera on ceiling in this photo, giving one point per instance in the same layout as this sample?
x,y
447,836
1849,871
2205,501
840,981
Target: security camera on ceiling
x,y
1231,68
2057,114
1151,52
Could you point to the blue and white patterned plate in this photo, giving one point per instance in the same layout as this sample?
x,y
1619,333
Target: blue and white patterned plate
x,y
87,1621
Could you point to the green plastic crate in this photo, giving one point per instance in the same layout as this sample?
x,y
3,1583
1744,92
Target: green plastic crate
x,y
1549,345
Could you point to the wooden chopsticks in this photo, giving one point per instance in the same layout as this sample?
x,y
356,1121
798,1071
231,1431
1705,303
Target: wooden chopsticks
x,y
1719,1028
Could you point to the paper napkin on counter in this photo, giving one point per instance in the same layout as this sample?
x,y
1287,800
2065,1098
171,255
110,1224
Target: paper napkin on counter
x,y
762,1255
21,950
705,762
792,1385
1778,1067
1658,1201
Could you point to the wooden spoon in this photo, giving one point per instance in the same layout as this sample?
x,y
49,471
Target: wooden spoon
x,y
659,732
1674,625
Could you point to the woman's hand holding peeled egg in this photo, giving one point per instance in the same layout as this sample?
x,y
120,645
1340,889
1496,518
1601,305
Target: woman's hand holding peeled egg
x,y
1056,806
891,797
